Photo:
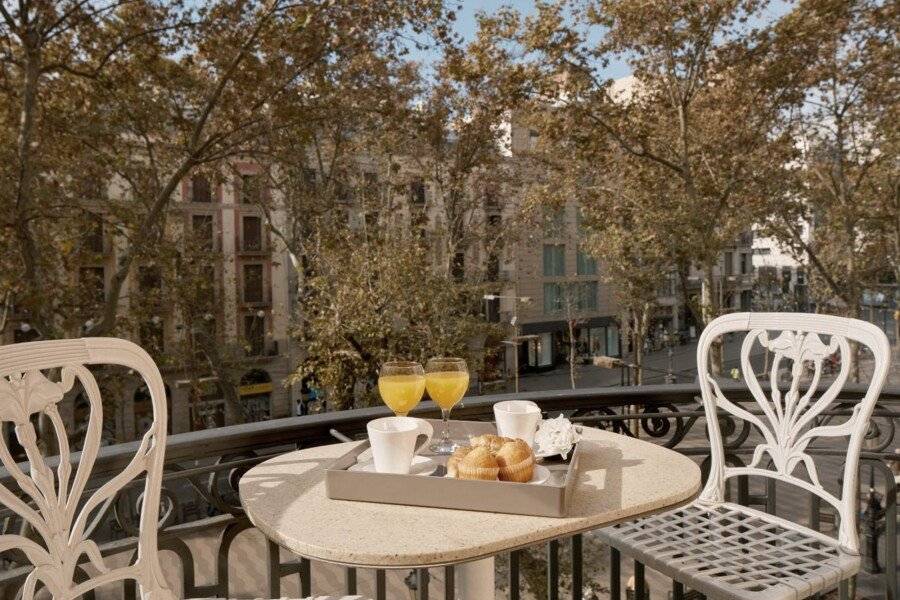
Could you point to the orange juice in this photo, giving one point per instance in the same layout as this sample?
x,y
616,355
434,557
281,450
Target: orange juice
x,y
447,388
401,392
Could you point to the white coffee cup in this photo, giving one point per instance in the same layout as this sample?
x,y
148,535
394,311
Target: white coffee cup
x,y
394,442
517,419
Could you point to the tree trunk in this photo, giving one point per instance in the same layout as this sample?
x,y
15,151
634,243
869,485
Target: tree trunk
x,y
25,143
709,310
571,324
234,410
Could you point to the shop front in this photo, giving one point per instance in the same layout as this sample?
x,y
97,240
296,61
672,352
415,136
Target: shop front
x,y
549,348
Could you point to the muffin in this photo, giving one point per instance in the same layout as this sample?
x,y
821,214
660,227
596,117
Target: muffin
x,y
453,461
516,461
490,441
478,464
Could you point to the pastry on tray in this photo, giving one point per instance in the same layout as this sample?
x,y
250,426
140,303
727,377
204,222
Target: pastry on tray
x,y
478,464
453,461
516,461
491,457
488,440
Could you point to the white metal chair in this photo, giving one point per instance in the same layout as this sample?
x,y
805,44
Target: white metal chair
x,y
728,551
50,499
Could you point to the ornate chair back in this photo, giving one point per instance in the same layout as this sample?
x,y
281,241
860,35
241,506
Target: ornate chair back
x,y
34,377
789,419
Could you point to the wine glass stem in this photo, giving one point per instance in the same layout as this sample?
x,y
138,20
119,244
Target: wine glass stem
x,y
445,416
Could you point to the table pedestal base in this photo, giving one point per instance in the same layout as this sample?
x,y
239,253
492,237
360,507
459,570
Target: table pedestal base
x,y
475,580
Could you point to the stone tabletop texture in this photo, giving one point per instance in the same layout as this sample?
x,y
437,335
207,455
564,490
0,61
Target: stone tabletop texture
x,y
619,477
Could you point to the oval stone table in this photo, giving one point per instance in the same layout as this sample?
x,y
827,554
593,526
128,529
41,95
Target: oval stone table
x,y
619,478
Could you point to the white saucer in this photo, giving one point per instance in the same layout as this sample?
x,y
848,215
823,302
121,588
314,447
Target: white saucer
x,y
541,475
421,465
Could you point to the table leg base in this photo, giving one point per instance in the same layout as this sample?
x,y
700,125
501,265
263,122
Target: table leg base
x,y
475,580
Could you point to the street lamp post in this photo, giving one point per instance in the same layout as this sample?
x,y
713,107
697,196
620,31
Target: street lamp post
x,y
516,339
667,338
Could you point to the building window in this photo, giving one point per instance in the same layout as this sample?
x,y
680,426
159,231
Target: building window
x,y
612,340
253,284
552,298
586,264
533,137
746,299
667,286
202,231
152,335
370,184
729,263
493,267
492,309
785,280
586,296
93,284
150,285
255,334
554,222
745,263
200,189
207,287
458,268
417,192
554,260
93,238
251,233
309,177
251,189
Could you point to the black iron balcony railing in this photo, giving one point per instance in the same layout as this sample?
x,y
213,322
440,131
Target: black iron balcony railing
x,y
203,469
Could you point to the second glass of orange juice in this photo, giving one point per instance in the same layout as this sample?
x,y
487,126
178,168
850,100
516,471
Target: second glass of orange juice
x,y
446,380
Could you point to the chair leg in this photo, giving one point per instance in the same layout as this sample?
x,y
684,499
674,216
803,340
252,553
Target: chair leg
x,y
639,582
844,589
615,577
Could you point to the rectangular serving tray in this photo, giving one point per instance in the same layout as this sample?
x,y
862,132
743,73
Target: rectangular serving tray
x,y
550,499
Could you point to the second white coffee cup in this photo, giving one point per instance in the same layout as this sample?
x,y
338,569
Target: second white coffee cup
x,y
395,440
517,419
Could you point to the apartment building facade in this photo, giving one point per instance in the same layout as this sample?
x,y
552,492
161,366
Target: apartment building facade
x,y
241,308
779,279
249,305
553,294
732,288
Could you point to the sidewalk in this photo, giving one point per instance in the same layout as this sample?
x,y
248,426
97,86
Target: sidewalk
x,y
684,366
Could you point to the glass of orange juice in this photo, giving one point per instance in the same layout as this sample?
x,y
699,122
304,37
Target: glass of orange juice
x,y
446,380
401,385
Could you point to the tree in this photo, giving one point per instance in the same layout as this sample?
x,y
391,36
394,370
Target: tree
x,y
113,106
166,92
376,297
632,234
845,169
696,114
53,52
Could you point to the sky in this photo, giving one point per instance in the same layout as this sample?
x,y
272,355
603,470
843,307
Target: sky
x,y
466,25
